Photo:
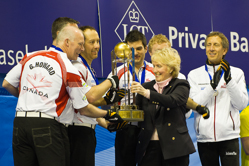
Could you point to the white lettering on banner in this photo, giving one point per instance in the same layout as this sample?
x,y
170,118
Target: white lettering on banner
x,y
174,34
19,58
236,45
12,58
143,29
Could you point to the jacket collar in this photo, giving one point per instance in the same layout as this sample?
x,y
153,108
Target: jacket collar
x,y
211,67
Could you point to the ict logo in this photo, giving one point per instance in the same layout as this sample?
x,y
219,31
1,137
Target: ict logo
x,y
133,19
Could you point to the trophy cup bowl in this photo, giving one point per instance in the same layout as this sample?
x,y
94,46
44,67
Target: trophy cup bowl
x,y
122,50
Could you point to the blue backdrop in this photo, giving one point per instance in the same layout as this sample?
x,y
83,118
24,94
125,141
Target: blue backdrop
x,y
26,27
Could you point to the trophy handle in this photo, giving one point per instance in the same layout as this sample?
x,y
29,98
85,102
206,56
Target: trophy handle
x,y
113,62
133,73
114,66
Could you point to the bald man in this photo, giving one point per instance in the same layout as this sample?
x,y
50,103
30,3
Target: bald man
x,y
44,82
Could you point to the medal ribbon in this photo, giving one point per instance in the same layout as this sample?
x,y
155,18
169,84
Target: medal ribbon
x,y
143,74
57,48
210,77
84,61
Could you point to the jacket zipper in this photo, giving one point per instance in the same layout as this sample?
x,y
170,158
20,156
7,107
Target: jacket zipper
x,y
214,111
198,126
214,117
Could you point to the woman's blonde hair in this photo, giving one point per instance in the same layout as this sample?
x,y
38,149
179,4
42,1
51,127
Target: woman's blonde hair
x,y
169,57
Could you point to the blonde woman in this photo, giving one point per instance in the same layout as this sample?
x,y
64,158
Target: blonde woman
x,y
164,138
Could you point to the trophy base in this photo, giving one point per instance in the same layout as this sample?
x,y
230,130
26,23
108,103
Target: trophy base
x,y
130,113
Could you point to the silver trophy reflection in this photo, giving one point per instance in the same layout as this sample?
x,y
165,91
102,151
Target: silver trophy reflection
x,y
121,54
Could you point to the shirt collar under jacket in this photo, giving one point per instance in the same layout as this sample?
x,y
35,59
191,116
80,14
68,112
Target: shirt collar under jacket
x,y
211,67
162,84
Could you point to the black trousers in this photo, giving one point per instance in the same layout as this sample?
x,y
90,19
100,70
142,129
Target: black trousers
x,y
226,151
154,157
125,146
40,142
82,145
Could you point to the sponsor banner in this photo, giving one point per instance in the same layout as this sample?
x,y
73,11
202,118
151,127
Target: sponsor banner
x,y
186,24
231,20
26,25
186,28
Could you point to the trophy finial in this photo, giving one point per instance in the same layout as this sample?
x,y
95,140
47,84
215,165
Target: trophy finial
x,y
122,50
